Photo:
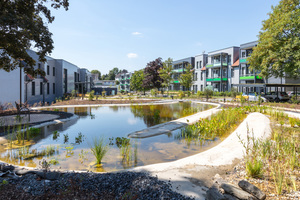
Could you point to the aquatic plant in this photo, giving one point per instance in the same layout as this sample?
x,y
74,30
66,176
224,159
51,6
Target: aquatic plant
x,y
79,139
99,149
66,138
121,141
53,161
82,156
69,151
55,135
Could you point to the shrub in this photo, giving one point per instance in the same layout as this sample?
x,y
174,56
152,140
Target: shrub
x,y
91,95
99,149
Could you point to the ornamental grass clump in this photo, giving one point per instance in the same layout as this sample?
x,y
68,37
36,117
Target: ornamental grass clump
x,y
99,149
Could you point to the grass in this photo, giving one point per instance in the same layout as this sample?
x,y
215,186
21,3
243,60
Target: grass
x,y
277,158
99,149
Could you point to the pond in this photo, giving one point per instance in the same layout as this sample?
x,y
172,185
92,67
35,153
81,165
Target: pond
x,y
68,145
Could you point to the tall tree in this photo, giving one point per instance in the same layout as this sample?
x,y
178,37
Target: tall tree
x,y
186,79
136,81
278,49
151,75
166,73
95,71
23,24
112,73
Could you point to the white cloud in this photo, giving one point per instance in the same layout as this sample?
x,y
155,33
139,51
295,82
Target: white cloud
x,y
136,33
132,121
132,55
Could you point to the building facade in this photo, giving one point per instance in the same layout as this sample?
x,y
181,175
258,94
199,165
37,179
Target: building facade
x,y
179,66
60,77
124,81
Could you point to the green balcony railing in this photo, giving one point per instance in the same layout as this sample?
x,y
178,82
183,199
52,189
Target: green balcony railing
x,y
243,60
177,70
216,79
245,77
216,64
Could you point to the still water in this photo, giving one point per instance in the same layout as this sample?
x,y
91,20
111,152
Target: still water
x,y
68,145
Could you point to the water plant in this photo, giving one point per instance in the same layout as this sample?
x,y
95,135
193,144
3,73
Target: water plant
x,y
55,135
99,149
82,156
69,150
79,139
66,138
53,162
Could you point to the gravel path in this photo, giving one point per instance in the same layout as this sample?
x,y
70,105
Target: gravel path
x,y
56,185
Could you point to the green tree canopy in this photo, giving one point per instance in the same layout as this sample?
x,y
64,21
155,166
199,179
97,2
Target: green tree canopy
x,y
112,73
278,49
23,25
186,79
166,73
136,81
95,71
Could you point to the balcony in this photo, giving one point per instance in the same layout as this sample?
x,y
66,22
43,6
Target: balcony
x,y
215,78
243,60
216,64
249,77
178,70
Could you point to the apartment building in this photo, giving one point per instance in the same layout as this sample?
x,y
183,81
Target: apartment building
x,y
179,66
199,72
219,71
60,77
124,79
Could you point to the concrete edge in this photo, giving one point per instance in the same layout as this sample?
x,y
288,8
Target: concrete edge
x,y
175,124
224,153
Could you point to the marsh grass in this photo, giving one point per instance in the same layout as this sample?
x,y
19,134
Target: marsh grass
x,y
99,149
278,157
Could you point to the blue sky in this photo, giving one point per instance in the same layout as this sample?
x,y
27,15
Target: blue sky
x,y
98,34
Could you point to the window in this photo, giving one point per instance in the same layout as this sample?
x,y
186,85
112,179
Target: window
x,y
48,88
248,52
229,60
197,64
200,64
53,71
201,76
201,87
232,72
39,65
41,88
32,88
206,73
243,54
53,88
196,76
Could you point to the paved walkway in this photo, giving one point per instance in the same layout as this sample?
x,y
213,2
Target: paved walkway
x,y
34,118
181,174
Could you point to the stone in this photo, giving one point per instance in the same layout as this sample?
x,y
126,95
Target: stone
x,y
214,194
252,189
236,191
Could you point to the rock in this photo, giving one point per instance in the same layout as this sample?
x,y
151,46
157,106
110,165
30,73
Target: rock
x,y
236,191
218,179
252,189
49,175
230,197
214,194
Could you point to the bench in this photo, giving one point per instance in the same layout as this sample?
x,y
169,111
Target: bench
x,y
22,108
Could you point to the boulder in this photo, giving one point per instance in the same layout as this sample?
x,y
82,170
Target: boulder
x,y
252,189
237,192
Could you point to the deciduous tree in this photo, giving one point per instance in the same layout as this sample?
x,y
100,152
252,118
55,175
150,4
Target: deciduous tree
x,y
23,25
94,71
151,75
136,81
166,73
186,79
278,49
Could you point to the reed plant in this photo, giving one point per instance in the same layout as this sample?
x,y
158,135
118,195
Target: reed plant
x,y
99,149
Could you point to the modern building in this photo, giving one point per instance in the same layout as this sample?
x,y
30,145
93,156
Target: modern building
x,y
199,72
109,86
60,77
124,80
179,66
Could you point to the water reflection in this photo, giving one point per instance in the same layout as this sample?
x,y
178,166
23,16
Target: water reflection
x,y
68,143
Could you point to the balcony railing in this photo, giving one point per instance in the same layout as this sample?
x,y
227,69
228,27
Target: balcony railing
x,y
249,77
209,79
243,60
216,64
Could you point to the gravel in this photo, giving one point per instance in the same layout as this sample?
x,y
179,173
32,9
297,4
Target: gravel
x,y
87,185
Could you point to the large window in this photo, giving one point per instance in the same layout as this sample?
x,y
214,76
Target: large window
x,y
53,71
41,88
32,88
48,69
53,88
48,88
